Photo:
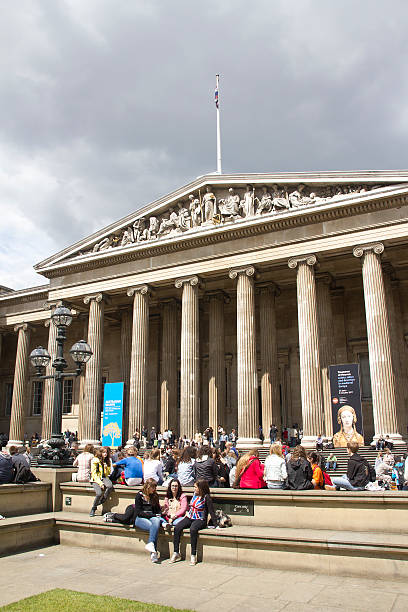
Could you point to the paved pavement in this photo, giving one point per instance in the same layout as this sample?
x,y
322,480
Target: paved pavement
x,y
203,587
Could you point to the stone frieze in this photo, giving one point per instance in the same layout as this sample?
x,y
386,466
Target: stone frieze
x,y
204,210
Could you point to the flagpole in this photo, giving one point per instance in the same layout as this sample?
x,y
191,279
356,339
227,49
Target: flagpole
x,y
219,167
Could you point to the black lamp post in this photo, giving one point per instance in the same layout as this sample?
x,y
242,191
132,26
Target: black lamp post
x,y
57,455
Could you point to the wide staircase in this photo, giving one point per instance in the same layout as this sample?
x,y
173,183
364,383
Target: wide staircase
x,y
333,532
342,456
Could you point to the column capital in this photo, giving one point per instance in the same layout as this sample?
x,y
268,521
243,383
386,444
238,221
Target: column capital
x,y
142,289
268,288
194,281
247,270
326,279
309,260
24,326
171,301
376,247
51,304
96,297
217,294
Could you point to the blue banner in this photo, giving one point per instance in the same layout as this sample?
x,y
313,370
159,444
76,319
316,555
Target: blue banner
x,y
112,414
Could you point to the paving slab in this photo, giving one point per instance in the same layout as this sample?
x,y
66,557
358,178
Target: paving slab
x,y
203,587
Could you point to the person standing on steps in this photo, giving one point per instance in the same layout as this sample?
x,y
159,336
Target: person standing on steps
x,y
101,468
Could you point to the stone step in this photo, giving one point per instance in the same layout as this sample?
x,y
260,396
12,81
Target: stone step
x,y
27,532
377,554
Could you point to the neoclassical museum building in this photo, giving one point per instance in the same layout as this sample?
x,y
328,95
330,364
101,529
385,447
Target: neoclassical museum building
x,y
224,303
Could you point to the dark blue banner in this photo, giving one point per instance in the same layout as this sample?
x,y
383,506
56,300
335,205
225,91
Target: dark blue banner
x,y
346,404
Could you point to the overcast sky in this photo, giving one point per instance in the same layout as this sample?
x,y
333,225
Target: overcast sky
x,y
109,104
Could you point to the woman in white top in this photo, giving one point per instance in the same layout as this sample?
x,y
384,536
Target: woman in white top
x,y
83,463
185,467
275,468
152,467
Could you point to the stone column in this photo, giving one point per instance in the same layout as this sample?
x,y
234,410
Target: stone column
x,y
16,436
49,387
388,275
339,323
168,372
327,345
125,358
310,373
216,360
90,418
248,419
138,365
190,357
399,318
81,391
378,333
271,409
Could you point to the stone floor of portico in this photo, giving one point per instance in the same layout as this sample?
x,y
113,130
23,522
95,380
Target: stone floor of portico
x,y
199,588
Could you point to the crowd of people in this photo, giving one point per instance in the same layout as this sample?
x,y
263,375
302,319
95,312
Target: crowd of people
x,y
208,460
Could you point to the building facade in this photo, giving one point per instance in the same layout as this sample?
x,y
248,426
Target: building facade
x,y
224,303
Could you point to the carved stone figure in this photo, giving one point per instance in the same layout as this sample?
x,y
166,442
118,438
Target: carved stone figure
x,y
247,205
265,203
183,219
139,230
279,200
104,244
153,228
167,225
230,206
195,211
297,199
209,205
128,236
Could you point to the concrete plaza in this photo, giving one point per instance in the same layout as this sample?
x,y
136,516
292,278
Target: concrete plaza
x,y
206,585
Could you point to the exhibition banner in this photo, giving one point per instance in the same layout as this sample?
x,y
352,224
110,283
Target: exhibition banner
x,y
346,404
112,414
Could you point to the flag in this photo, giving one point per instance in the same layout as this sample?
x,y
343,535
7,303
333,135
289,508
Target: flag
x,y
216,97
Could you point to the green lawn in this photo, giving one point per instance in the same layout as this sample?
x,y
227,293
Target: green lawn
x,y
61,599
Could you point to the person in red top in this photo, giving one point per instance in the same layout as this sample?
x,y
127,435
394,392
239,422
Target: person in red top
x,y
250,472
314,460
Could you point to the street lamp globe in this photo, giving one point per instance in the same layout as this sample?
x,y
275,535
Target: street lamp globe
x,y
62,316
40,357
81,352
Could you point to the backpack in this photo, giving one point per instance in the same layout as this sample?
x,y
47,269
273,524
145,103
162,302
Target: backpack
x,y
371,473
23,474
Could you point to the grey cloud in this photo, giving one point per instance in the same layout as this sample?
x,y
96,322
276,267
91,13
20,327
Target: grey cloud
x,y
112,103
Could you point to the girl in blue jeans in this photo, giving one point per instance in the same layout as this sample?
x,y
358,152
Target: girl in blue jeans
x,y
148,515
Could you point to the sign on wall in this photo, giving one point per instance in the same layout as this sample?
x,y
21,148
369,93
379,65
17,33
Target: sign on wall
x,y
346,404
112,414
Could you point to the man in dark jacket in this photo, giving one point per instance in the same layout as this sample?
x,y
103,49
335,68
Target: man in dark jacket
x,y
205,467
359,471
6,468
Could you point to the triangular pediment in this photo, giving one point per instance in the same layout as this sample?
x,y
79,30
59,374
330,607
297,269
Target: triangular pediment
x,y
217,202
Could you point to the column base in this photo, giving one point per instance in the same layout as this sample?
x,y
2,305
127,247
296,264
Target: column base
x,y
309,441
83,443
14,443
395,438
248,443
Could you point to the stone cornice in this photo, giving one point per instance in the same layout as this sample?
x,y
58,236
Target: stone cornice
x,y
25,295
317,213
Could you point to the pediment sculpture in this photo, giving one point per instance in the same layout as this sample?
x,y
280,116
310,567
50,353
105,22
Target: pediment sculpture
x,y
207,210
